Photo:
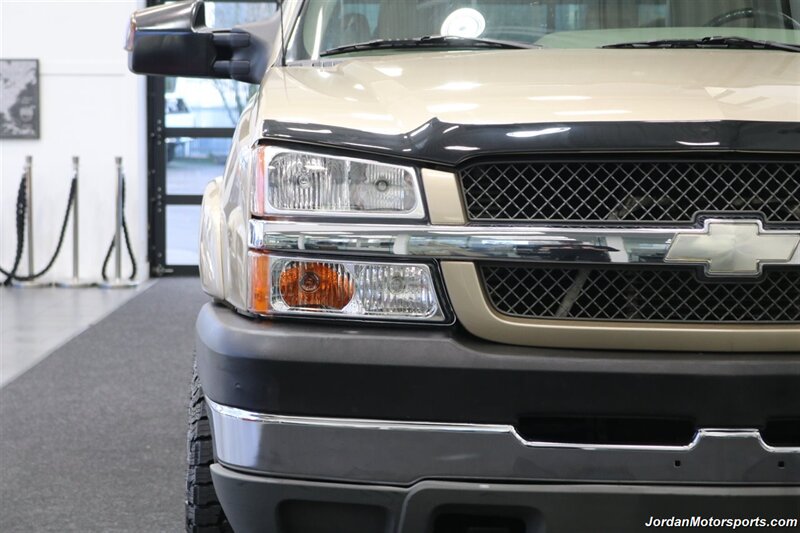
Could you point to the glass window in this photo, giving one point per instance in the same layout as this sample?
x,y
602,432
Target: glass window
x,y
202,103
327,24
183,234
193,162
229,14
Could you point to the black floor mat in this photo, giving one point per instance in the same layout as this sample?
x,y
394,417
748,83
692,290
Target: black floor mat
x,y
93,438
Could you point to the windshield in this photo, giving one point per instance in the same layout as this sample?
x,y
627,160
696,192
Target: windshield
x,y
328,24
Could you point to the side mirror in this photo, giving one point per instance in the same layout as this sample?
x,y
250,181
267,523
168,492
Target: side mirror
x,y
173,40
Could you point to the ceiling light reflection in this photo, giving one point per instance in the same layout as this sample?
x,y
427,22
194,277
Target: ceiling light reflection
x,y
536,133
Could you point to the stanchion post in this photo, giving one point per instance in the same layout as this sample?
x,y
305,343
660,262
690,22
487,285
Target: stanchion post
x,y
118,282
118,234
75,281
29,227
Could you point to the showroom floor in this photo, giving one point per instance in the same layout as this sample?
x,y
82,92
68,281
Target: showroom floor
x,y
34,322
93,437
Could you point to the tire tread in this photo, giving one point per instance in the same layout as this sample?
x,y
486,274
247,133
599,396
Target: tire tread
x,y
204,513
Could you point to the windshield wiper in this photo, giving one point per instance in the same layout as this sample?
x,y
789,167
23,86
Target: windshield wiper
x,y
431,41
740,43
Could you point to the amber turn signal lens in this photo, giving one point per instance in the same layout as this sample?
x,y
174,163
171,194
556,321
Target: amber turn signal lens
x,y
260,283
316,286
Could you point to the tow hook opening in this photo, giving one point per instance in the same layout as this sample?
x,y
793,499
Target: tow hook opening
x,y
782,432
486,519
608,430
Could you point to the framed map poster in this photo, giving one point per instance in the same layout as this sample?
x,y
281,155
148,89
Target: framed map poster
x,y
19,99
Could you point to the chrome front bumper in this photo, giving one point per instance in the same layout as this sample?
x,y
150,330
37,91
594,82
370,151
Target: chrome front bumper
x,y
402,453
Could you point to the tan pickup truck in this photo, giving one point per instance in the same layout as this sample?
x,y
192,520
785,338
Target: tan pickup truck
x,y
498,266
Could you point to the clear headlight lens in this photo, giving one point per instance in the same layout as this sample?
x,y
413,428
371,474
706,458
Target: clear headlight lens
x,y
290,285
304,183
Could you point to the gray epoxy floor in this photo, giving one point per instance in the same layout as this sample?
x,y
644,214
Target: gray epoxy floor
x,y
36,321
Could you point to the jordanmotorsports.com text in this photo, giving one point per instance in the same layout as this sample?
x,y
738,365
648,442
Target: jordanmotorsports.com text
x,y
730,523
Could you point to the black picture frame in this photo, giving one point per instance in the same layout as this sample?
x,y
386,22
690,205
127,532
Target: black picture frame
x,y
20,109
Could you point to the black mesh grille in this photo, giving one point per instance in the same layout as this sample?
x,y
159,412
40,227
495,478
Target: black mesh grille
x,y
641,294
659,191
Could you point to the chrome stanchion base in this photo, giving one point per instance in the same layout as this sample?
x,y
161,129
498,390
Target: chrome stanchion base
x,y
31,284
76,283
118,284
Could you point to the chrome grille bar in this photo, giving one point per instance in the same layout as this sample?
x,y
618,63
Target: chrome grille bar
x,y
640,246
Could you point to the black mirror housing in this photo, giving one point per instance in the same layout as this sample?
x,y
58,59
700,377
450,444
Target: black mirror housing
x,y
173,40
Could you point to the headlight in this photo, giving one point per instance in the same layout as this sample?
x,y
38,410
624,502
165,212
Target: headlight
x,y
316,287
289,182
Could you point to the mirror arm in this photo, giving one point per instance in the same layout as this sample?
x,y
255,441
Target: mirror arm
x,y
265,36
228,63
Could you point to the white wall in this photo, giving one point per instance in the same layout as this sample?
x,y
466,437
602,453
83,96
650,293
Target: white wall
x,y
92,107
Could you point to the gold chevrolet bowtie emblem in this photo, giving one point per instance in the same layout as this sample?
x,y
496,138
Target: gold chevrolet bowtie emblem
x,y
738,248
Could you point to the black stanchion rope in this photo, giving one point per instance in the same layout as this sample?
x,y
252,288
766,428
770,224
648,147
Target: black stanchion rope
x,y
127,243
22,200
22,207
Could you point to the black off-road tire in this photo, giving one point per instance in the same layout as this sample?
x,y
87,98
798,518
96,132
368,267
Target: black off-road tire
x,y
204,514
